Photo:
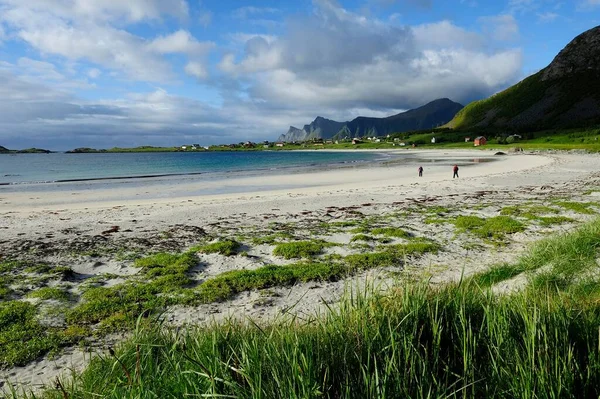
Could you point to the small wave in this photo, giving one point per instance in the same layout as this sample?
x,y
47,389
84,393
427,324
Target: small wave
x,y
99,179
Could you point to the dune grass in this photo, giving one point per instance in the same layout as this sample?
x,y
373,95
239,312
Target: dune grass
x,y
562,257
300,249
495,228
394,232
417,342
46,293
223,247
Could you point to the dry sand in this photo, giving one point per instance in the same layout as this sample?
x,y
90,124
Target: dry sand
x,y
49,217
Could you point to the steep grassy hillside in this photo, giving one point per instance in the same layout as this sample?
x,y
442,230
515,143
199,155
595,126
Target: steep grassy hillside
x,y
565,94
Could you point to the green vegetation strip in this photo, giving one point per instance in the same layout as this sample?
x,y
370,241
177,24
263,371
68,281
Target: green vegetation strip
x,y
559,260
415,342
300,249
492,228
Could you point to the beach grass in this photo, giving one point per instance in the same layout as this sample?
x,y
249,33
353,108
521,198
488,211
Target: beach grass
x,y
458,341
394,232
496,227
300,249
223,247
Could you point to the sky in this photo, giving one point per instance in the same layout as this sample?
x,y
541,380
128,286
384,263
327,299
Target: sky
x,y
105,73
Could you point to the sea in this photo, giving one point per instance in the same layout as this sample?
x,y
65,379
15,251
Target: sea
x,y
63,172
18,169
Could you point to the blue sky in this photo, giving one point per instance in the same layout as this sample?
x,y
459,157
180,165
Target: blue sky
x,y
105,73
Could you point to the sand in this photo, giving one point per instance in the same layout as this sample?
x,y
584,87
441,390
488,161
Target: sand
x,y
59,216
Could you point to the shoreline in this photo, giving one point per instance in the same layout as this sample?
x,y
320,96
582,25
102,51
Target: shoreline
x,y
233,188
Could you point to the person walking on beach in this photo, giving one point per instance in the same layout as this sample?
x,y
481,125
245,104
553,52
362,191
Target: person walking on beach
x,y
420,171
455,169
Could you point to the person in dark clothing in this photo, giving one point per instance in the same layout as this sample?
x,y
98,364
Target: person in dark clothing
x,y
420,171
455,169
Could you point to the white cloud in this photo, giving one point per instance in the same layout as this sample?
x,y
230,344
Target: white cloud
x,y
179,42
94,73
338,59
106,10
502,27
86,30
547,17
445,34
196,70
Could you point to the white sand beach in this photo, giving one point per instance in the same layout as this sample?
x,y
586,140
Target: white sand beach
x,y
48,217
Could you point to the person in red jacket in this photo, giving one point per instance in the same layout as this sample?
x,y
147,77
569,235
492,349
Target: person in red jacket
x,y
455,170
420,171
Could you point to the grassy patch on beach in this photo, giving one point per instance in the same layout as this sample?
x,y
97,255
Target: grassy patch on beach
x,y
22,337
361,237
163,264
419,247
272,239
394,232
224,247
578,207
491,228
563,258
300,249
231,283
47,293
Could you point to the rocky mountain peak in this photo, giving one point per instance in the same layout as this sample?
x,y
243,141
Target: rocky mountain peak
x,y
580,55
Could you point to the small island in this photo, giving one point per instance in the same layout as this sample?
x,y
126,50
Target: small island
x,y
4,150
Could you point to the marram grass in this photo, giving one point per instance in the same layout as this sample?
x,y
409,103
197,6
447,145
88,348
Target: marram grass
x,y
417,342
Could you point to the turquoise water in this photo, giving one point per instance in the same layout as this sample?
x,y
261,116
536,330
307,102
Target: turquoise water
x,y
22,169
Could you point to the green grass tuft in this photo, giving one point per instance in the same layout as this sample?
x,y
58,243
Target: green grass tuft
x,y
493,228
300,249
395,232
361,237
578,207
225,247
47,293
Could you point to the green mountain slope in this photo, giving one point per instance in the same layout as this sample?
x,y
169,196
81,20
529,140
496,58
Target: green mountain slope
x,y
565,94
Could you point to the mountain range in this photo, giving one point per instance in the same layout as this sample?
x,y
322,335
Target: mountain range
x,y
565,94
430,115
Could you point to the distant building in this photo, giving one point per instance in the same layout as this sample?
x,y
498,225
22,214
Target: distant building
x,y
184,147
249,144
480,141
467,139
329,142
433,140
279,144
356,141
